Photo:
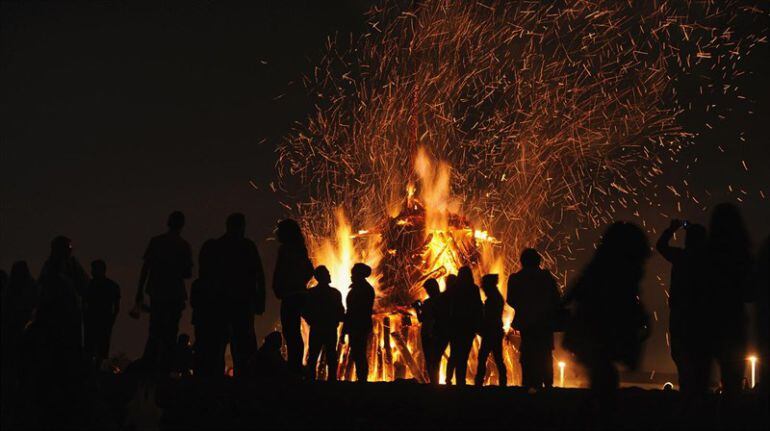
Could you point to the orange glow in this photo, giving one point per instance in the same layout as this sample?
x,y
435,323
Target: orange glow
x,y
448,242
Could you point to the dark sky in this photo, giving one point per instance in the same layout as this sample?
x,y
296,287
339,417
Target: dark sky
x,y
116,113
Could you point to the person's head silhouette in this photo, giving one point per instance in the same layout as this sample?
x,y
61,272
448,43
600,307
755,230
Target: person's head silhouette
x,y
451,282
489,283
20,273
322,275
175,221
431,287
530,258
61,248
465,276
289,232
360,272
236,224
727,231
98,268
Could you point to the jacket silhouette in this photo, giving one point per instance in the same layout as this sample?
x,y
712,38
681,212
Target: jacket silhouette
x,y
60,314
208,309
102,304
466,318
293,270
609,323
167,263
492,332
358,318
239,285
533,294
323,312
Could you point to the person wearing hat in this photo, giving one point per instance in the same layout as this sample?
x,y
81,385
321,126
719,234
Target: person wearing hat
x,y
358,319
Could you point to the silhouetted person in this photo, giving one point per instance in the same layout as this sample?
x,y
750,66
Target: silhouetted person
x,y
268,363
59,314
533,294
240,282
323,312
467,313
19,301
444,325
293,270
762,286
609,323
427,313
102,303
208,318
167,263
358,319
183,355
492,331
728,289
689,316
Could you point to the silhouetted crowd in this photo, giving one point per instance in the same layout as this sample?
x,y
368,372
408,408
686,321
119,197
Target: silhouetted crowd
x,y
57,327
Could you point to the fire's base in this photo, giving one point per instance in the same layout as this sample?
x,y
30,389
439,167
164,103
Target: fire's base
x,y
395,353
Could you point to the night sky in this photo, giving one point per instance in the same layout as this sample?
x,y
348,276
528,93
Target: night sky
x,y
115,114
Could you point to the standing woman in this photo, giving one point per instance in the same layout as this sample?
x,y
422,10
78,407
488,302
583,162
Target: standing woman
x,y
728,289
59,315
293,271
609,323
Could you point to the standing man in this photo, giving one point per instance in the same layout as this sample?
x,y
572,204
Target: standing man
x,y
533,294
427,315
102,303
492,331
240,279
167,263
323,312
467,313
358,320
688,311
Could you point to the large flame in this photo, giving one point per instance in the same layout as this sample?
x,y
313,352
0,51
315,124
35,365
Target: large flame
x,y
448,242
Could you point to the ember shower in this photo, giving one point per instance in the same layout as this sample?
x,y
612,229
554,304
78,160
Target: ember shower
x,y
458,133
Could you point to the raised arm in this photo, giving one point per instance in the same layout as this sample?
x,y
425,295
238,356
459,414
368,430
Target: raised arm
x,y
668,252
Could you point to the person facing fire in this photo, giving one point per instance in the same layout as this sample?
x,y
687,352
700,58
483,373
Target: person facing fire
x,y
443,329
688,312
467,313
426,314
240,283
59,314
102,303
358,319
167,264
492,331
323,312
534,295
609,324
293,270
